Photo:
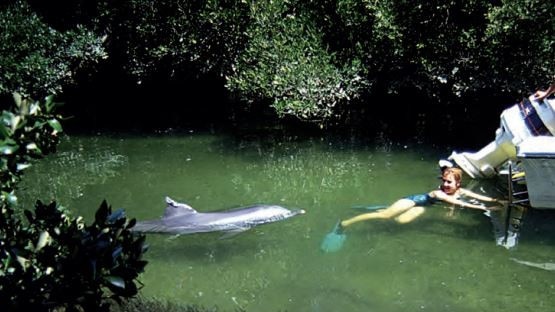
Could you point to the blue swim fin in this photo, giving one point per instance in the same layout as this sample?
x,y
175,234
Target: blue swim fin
x,y
334,240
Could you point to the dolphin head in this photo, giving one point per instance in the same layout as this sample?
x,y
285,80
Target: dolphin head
x,y
293,212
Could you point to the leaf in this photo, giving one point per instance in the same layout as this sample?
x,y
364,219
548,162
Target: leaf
x,y
116,215
23,166
131,288
92,267
15,122
140,265
116,281
34,108
44,239
55,124
29,215
131,223
8,149
116,253
102,213
49,103
4,131
17,99
31,146
139,245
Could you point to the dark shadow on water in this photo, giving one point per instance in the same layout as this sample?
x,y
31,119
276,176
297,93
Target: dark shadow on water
x,y
538,227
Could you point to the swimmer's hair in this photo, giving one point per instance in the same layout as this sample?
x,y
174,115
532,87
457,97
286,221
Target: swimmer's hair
x,y
456,172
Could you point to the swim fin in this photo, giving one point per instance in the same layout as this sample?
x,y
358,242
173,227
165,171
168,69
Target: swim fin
x,y
334,240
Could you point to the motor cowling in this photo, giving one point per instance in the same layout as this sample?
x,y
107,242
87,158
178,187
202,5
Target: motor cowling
x,y
525,119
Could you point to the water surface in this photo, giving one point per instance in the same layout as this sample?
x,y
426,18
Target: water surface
x,y
447,260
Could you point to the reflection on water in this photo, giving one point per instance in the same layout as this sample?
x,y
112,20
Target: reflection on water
x,y
447,260
65,174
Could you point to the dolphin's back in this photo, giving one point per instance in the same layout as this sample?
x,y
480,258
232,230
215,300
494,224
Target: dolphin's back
x,y
173,221
180,218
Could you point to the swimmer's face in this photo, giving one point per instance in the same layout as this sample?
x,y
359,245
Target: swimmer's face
x,y
449,184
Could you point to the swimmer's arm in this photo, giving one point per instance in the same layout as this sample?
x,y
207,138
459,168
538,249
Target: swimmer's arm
x,y
478,196
448,199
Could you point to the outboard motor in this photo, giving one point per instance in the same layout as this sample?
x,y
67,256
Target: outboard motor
x,y
523,120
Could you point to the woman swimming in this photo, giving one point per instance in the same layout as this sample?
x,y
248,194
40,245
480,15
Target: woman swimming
x,y
409,208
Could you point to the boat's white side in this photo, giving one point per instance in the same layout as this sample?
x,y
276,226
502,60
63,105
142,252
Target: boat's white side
x,y
537,156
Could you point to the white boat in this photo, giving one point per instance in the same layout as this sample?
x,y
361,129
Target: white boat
x,y
525,137
525,141
529,118
537,159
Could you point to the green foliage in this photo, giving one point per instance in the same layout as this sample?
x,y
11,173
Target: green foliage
x,y
447,49
195,37
28,132
287,61
306,58
310,59
520,37
59,262
405,43
36,59
362,30
49,260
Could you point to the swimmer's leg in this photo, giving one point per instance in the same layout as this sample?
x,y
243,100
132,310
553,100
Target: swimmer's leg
x,y
398,207
410,215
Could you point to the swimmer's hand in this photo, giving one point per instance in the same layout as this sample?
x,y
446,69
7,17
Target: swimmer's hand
x,y
494,208
501,204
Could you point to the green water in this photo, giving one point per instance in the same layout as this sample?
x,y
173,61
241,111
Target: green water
x,y
444,261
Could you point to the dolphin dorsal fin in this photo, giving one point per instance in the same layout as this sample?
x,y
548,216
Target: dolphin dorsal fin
x,y
174,208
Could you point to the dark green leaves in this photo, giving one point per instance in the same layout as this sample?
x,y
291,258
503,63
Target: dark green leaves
x,y
49,260
37,59
287,61
68,263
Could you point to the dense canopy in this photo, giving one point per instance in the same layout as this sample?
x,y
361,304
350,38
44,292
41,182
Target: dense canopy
x,y
315,60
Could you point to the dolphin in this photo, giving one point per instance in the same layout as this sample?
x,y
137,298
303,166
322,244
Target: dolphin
x,y
180,218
